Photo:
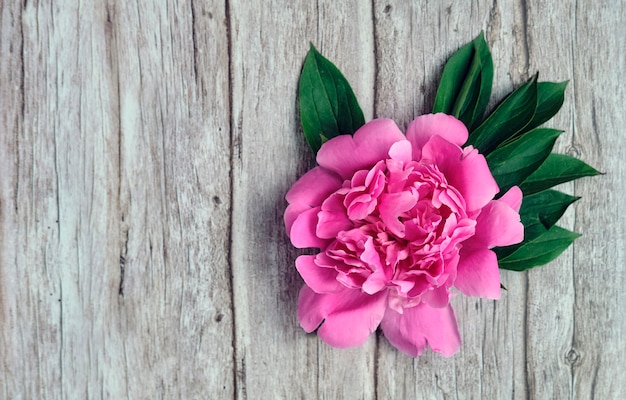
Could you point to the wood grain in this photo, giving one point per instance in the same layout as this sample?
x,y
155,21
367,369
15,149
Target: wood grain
x,y
145,152
115,278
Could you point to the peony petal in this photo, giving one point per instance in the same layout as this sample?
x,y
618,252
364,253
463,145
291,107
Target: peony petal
x,y
378,279
513,198
467,171
442,153
347,154
331,223
474,180
319,279
349,316
426,126
392,205
354,317
497,225
376,282
309,191
312,309
420,325
401,151
302,231
478,274
437,297
291,214
313,187
332,218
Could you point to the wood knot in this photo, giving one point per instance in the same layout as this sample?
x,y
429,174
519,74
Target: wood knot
x,y
573,151
572,357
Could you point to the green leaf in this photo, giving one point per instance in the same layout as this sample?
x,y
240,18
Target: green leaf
x,y
476,90
328,106
513,163
556,169
543,249
508,120
550,98
539,212
547,207
452,80
465,85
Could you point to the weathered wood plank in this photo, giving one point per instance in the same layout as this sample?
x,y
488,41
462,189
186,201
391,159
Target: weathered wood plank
x,y
175,197
57,210
345,34
270,348
521,345
599,259
275,358
414,43
145,152
114,270
550,294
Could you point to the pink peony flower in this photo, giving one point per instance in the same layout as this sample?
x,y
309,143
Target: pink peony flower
x,y
400,222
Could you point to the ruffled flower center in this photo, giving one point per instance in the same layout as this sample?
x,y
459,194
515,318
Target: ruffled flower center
x,y
401,228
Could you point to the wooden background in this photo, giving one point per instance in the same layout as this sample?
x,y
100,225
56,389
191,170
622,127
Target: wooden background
x,y
145,151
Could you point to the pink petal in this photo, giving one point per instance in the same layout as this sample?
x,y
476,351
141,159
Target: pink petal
x,y
309,191
420,325
332,218
361,206
312,309
474,180
354,318
376,282
392,205
438,297
401,151
466,171
513,198
478,274
302,232
371,143
497,225
313,187
426,126
444,154
291,214
349,316
319,279
331,223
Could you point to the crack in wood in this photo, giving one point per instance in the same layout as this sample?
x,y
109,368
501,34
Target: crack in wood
x,y
123,255
195,43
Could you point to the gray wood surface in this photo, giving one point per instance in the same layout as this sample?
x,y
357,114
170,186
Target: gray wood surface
x,y
145,151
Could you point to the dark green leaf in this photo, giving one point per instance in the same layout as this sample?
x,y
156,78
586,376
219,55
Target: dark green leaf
x,y
513,163
543,249
550,97
454,74
476,90
539,212
546,207
465,85
328,106
508,120
556,169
